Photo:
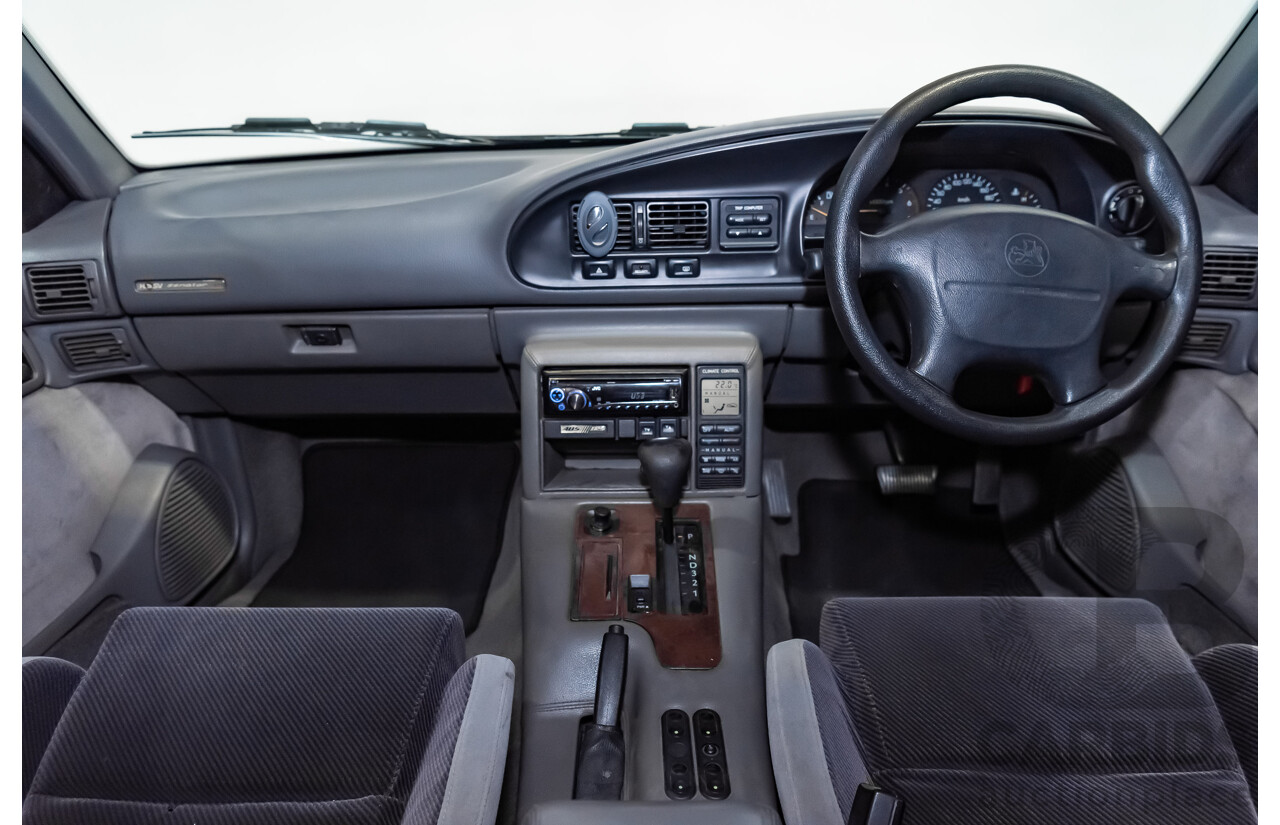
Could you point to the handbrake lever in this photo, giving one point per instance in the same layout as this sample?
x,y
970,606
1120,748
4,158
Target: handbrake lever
x,y
600,766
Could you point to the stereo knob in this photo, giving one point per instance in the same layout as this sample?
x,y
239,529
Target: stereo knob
x,y
575,400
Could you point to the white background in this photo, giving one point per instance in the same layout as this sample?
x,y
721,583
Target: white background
x,y
503,67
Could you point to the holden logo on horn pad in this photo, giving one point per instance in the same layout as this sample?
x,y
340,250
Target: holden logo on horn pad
x,y
1026,255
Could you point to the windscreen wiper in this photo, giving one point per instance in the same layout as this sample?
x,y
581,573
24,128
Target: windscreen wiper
x,y
413,134
384,131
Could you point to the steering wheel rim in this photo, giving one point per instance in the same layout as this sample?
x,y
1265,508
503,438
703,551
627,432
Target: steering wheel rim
x,y
949,295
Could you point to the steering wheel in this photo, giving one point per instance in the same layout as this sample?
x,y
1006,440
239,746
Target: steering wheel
x,y
1013,286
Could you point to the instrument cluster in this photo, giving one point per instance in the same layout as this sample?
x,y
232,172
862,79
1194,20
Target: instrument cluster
x,y
901,198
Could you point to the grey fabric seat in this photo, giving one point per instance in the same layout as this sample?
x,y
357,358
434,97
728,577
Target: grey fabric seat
x,y
1004,710
259,715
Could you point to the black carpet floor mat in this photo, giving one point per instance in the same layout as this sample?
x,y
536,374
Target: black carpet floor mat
x,y
398,525
856,542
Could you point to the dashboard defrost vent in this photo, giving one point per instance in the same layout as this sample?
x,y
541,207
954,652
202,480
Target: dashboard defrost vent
x,y
1205,339
62,289
626,228
97,349
1230,276
679,225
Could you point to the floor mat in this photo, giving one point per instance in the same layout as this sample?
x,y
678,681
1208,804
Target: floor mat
x,y
856,542
396,525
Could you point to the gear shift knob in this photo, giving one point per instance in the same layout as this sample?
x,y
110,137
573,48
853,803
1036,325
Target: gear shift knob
x,y
664,466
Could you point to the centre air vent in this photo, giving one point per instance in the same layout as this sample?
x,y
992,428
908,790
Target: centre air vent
x,y
1205,339
1230,276
59,290
679,225
96,349
626,230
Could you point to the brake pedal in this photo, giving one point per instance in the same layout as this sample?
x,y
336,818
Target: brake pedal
x,y
907,479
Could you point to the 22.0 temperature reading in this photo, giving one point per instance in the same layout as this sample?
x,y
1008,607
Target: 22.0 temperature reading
x,y
720,396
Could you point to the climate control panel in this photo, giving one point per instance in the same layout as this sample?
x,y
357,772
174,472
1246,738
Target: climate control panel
x,y
720,429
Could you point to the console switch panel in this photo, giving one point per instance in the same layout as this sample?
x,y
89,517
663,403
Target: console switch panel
x,y
708,742
677,755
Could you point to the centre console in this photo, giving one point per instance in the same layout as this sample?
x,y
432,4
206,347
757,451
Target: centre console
x,y
593,420
641,516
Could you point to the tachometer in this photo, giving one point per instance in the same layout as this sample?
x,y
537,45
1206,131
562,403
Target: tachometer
x,y
1023,196
961,189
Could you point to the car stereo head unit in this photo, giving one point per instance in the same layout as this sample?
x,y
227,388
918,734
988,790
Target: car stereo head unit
x,y
612,393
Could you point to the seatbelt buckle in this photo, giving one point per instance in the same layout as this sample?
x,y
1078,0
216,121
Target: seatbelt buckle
x,y
873,805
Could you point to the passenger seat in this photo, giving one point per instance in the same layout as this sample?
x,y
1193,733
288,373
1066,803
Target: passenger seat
x,y
248,715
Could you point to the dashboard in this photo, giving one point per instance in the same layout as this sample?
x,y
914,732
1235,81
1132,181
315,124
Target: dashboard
x,y
756,215
410,282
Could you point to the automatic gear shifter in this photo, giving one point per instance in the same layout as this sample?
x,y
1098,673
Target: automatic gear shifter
x,y
664,466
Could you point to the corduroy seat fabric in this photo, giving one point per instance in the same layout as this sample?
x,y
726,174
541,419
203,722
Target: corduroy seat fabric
x,y
261,715
1000,710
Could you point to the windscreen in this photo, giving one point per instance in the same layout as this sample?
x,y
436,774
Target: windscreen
x,y
538,68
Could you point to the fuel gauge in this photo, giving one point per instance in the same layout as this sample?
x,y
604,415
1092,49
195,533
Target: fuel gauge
x,y
890,203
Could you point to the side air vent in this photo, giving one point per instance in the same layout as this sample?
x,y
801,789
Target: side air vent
x,y
63,289
1205,339
97,349
1230,276
679,225
196,535
626,228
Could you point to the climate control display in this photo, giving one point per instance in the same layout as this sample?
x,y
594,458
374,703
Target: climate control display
x,y
721,396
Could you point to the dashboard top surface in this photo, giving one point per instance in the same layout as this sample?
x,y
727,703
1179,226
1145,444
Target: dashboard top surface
x,y
493,228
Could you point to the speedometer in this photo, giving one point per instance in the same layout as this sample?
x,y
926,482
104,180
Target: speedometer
x,y
960,189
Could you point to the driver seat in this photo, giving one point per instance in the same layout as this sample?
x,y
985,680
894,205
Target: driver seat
x,y
1010,710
